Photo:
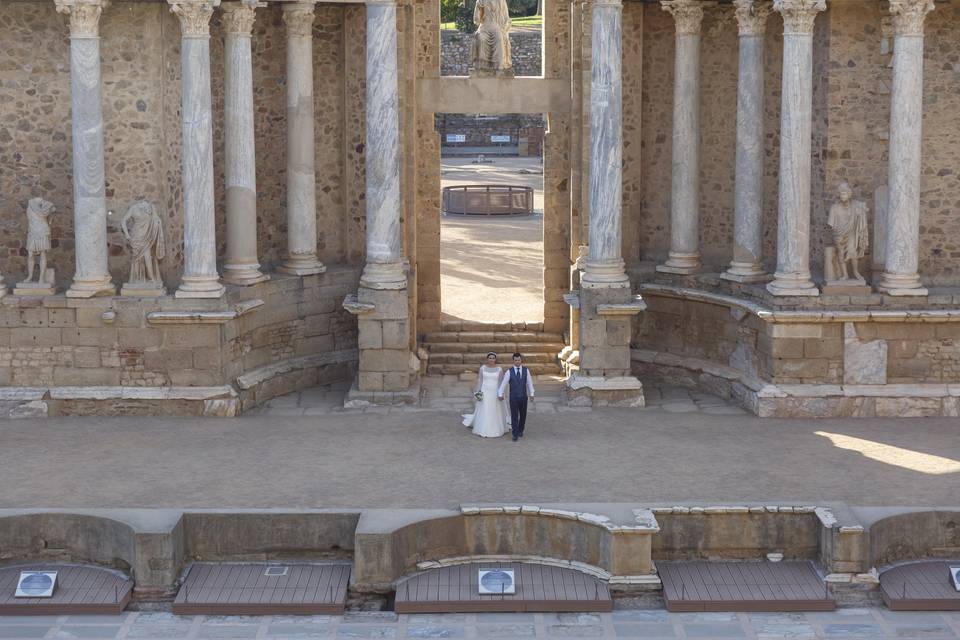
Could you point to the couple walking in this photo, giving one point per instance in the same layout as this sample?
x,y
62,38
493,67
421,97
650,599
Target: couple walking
x,y
489,417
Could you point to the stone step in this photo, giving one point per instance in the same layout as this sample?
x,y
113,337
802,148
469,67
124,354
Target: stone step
x,y
469,325
502,349
454,369
491,336
476,359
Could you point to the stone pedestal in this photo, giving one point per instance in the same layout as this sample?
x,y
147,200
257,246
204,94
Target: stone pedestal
x,y
142,290
604,378
792,277
89,189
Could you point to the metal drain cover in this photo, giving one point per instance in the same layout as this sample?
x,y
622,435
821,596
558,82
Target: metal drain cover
x,y
276,571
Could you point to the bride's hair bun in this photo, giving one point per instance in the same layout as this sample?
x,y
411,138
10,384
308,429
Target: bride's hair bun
x,y
491,353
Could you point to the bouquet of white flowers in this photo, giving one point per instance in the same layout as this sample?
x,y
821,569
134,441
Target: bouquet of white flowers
x,y
478,395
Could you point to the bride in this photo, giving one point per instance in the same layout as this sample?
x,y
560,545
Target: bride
x,y
489,417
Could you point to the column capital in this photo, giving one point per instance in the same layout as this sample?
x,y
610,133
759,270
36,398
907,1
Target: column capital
x,y
909,15
799,15
752,16
616,4
298,16
194,16
84,16
238,16
687,14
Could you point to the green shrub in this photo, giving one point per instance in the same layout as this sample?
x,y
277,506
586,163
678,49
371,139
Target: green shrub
x,y
449,10
465,17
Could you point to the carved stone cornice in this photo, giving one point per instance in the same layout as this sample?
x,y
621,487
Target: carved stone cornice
x,y
687,14
84,16
799,15
238,17
194,16
752,16
908,16
298,16
615,4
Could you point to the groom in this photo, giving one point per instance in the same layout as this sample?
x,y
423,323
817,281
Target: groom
x,y
521,388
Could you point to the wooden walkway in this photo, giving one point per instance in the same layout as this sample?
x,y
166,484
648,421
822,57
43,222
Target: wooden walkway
x,y
264,589
80,589
539,587
743,586
920,586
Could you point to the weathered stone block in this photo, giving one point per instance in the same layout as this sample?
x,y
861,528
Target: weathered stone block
x,y
801,368
822,347
168,359
908,407
395,334
206,358
85,357
192,336
370,334
370,381
396,381
384,360
139,337
35,337
618,332
796,330
100,337
71,377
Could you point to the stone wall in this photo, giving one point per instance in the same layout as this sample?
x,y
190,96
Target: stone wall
x,y
168,356
525,131
526,52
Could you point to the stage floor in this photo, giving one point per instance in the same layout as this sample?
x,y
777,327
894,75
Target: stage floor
x,y
685,448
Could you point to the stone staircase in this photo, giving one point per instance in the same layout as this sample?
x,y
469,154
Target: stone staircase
x,y
462,346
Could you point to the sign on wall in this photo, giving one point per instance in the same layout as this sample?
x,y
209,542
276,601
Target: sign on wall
x,y
497,581
456,137
499,138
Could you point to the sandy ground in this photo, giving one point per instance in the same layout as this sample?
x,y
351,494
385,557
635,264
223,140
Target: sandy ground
x,y
491,269
427,459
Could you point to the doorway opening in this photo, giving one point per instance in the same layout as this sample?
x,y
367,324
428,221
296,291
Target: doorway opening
x,y
491,230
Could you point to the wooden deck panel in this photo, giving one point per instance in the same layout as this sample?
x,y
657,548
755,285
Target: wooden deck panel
x,y
245,589
541,588
743,586
920,586
80,590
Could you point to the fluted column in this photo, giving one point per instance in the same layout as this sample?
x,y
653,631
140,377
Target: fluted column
x,y
604,264
684,257
200,278
384,267
900,276
241,265
792,277
301,171
748,185
92,277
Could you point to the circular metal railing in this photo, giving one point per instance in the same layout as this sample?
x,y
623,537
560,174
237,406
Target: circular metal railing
x,y
488,200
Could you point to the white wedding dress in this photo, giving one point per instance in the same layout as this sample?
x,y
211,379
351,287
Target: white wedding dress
x,y
490,415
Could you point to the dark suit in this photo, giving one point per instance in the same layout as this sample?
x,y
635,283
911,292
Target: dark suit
x,y
518,400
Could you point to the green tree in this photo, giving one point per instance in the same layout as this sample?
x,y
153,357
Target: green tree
x,y
448,10
465,17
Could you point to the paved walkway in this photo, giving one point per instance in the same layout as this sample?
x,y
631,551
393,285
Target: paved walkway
x,y
306,451
872,624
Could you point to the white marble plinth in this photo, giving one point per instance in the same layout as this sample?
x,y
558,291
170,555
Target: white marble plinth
x,y
603,265
33,288
142,290
848,287
241,266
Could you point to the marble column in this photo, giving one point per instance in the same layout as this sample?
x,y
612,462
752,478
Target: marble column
x,y
384,266
900,276
241,265
684,257
748,184
792,277
200,278
92,277
604,264
301,153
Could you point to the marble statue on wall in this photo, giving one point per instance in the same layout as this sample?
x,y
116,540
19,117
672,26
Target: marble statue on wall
x,y
143,230
38,243
491,43
851,240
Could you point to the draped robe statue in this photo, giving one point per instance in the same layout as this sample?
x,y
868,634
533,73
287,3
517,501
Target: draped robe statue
x,y
38,237
848,223
491,43
143,229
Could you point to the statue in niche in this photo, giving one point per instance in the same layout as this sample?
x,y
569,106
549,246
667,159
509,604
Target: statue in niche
x,y
38,243
491,43
848,223
143,229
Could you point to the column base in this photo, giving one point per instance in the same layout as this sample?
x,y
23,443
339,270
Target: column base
x,y
685,264
792,286
243,275
32,288
895,284
745,272
357,398
604,273
600,391
384,276
91,288
303,266
3,288
200,287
